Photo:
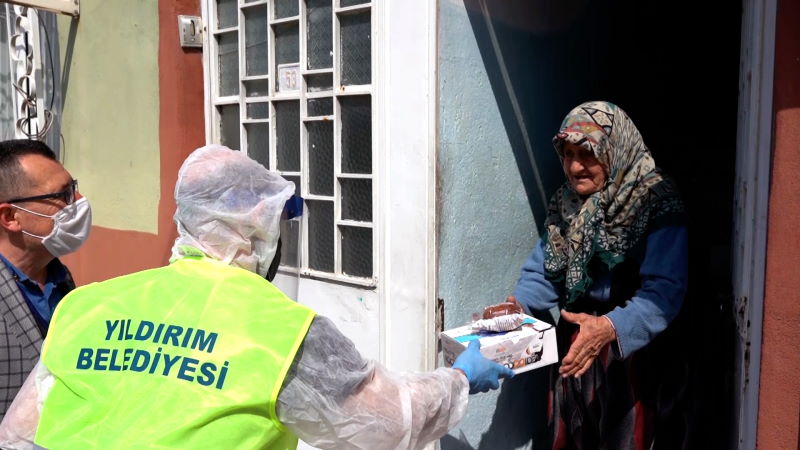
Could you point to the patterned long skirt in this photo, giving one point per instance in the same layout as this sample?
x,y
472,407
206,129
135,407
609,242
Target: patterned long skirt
x,y
617,404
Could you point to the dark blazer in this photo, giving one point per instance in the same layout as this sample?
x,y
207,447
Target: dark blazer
x,y
20,337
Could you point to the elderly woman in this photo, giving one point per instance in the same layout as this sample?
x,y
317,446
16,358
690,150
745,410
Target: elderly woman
x,y
613,259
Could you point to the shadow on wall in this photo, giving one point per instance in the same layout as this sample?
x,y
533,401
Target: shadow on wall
x,y
522,44
676,74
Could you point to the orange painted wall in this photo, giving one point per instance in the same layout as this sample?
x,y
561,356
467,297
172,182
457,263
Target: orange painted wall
x,y
779,395
108,252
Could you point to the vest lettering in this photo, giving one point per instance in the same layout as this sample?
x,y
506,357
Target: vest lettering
x,y
85,359
201,343
145,330
173,331
165,334
110,328
222,374
112,366
141,359
158,332
207,370
155,361
186,337
126,357
187,366
100,358
128,335
168,363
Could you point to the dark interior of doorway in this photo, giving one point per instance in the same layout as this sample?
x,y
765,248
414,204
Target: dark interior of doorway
x,y
674,67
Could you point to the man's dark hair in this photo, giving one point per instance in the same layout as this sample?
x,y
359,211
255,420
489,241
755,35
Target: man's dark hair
x,y
14,180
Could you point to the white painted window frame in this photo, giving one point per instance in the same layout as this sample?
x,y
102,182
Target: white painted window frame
x,y
394,319
300,95
751,198
69,7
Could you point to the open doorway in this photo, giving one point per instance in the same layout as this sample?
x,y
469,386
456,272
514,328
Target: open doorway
x,y
675,70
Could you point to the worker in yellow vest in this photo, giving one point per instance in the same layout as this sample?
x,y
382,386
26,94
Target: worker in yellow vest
x,y
207,353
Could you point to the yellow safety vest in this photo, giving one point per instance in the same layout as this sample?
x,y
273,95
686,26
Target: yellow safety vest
x,y
191,355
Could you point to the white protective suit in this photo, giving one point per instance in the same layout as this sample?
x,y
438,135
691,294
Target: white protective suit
x,y
229,206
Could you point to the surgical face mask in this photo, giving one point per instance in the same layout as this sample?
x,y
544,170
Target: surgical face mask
x,y
71,227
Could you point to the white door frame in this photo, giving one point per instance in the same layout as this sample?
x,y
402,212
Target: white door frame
x,y
394,320
407,56
751,197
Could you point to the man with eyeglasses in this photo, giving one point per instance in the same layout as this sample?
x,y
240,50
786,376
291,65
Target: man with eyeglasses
x,y
42,217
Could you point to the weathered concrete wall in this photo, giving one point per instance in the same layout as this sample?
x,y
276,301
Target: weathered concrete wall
x,y
486,225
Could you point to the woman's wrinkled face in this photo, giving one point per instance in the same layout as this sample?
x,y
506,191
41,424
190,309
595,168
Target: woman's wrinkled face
x,y
583,170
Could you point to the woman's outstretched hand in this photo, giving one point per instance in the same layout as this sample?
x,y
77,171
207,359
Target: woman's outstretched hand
x,y
595,332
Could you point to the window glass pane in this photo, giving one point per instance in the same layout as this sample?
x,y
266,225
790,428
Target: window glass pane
x,y
319,82
286,8
356,199
255,40
228,64
320,235
320,157
319,107
258,110
356,251
258,142
287,51
287,44
346,3
356,52
226,13
319,35
290,230
256,88
229,126
287,135
356,112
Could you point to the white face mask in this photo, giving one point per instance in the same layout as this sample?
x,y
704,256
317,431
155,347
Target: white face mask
x,y
71,227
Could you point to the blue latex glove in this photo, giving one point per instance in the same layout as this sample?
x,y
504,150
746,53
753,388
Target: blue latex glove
x,y
481,373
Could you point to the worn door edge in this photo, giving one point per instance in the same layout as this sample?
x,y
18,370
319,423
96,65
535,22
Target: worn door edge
x,y
753,155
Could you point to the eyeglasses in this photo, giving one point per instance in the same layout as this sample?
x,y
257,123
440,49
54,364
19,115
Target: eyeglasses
x,y
67,195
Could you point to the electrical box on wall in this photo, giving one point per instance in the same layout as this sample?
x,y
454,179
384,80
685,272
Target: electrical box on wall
x,y
69,7
190,29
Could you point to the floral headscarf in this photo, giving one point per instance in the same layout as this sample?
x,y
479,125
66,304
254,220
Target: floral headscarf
x,y
610,222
